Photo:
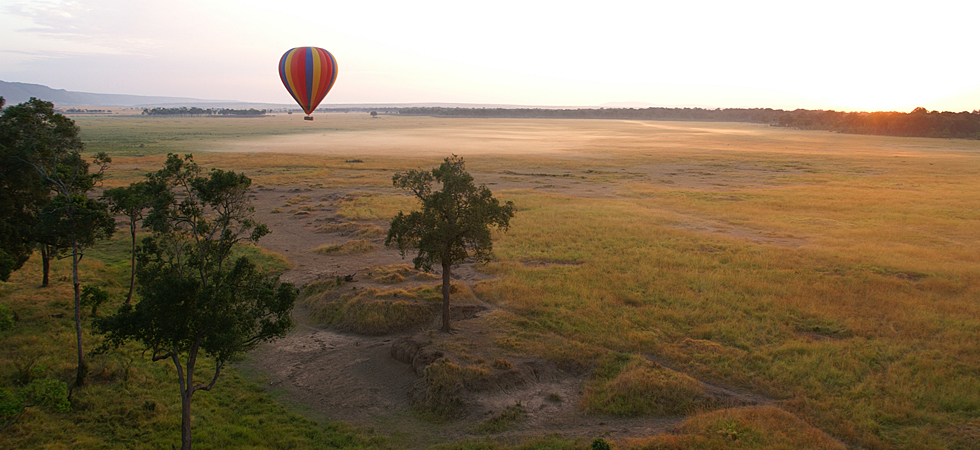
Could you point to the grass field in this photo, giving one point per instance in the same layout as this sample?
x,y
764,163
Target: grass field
x,y
838,275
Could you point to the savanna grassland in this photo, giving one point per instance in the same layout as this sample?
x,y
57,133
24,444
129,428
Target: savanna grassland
x,y
836,277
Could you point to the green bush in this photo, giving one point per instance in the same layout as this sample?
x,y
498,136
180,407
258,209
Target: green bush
x,y
94,297
6,318
10,403
48,393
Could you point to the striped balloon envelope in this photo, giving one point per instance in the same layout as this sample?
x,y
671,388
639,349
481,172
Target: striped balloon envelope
x,y
308,74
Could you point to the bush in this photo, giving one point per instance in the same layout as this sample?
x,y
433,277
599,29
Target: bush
x,y
48,393
6,318
10,403
600,444
94,297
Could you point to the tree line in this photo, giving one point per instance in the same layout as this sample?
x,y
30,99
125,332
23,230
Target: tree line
x,y
918,123
195,111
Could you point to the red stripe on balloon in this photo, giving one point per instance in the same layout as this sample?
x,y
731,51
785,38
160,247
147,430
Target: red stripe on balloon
x,y
304,68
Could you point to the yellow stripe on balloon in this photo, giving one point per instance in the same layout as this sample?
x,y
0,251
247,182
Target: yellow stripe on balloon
x,y
289,75
315,56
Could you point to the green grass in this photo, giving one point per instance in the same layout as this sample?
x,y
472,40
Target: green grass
x,y
142,136
129,401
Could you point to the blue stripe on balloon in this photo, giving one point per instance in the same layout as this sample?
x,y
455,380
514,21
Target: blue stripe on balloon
x,y
309,75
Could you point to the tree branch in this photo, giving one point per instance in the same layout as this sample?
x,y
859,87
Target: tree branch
x,y
157,356
207,387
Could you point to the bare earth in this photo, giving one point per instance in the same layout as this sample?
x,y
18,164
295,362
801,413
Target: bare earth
x,y
341,377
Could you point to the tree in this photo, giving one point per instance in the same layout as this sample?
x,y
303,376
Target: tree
x,y
130,201
453,223
22,195
49,144
195,295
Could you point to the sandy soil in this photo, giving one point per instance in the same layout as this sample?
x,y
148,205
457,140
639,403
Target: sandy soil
x,y
336,376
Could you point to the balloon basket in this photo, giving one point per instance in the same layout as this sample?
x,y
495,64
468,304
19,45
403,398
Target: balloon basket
x,y
308,118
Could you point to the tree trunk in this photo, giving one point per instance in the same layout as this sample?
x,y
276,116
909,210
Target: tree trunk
x,y
45,265
82,371
185,418
446,285
186,392
132,264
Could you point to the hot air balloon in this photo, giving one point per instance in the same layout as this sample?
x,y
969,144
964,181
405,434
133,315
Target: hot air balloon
x,y
308,74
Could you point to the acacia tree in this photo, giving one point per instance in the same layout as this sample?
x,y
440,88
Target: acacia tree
x,y
130,201
49,143
22,195
453,224
195,295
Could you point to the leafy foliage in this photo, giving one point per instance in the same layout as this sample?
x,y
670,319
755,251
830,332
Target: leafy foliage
x,y
76,217
6,318
130,201
22,191
194,296
47,393
48,145
453,224
94,296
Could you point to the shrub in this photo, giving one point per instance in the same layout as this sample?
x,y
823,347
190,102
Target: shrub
x,y
48,393
6,318
600,444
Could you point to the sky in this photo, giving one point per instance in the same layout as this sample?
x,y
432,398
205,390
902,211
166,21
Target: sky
x,y
844,55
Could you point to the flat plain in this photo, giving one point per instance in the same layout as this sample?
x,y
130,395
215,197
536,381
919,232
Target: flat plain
x,y
682,284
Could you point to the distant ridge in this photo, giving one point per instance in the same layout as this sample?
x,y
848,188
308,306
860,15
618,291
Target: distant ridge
x,y
15,93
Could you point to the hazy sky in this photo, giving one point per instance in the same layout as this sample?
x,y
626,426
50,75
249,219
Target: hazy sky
x,y
846,55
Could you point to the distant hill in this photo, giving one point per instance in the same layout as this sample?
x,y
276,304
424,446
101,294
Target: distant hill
x,y
15,93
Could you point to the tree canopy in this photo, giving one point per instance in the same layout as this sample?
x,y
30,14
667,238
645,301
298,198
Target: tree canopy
x,y
194,295
130,201
22,193
453,224
46,145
